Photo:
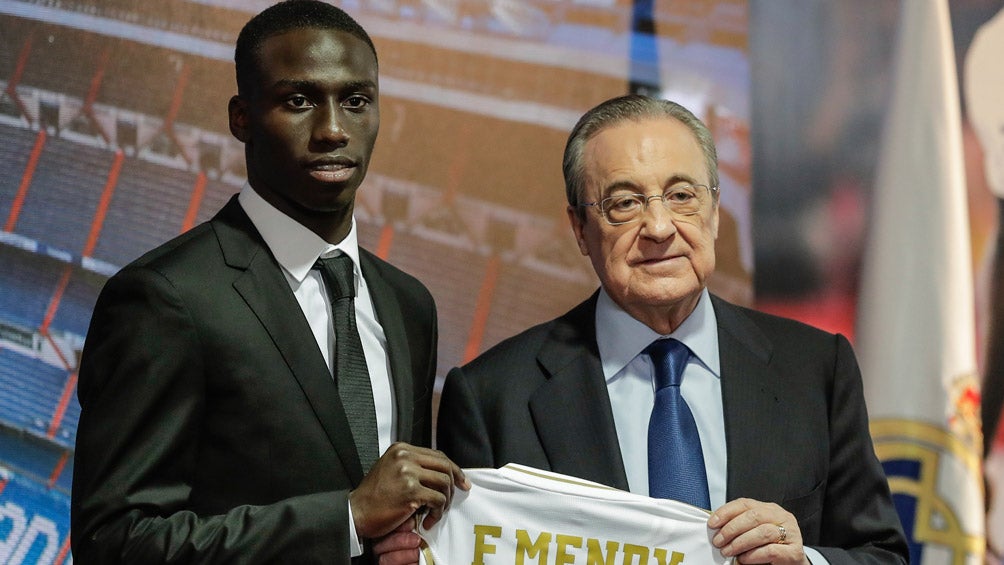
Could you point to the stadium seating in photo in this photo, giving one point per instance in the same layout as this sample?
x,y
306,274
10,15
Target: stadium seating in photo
x,y
14,154
33,458
32,389
61,202
147,209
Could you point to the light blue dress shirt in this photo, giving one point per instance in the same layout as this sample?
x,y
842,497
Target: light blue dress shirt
x,y
631,384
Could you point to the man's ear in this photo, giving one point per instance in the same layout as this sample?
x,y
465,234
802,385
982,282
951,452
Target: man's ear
x,y
240,122
577,226
714,220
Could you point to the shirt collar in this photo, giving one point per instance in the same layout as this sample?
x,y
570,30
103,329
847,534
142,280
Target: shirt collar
x,y
295,247
620,337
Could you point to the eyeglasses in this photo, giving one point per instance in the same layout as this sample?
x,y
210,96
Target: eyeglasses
x,y
680,200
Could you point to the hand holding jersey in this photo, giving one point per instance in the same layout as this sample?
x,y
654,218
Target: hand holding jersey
x,y
769,532
518,514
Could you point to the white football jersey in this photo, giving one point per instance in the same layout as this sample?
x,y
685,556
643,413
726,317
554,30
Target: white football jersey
x,y
518,515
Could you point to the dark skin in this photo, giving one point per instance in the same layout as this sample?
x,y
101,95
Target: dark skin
x,y
308,118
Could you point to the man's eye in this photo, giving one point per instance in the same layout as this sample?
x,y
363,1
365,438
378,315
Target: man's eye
x,y
356,102
298,102
682,194
625,203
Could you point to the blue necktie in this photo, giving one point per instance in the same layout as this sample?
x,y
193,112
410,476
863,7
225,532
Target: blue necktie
x,y
351,373
675,459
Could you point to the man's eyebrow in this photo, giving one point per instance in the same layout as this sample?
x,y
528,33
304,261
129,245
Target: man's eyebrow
x,y
678,178
300,84
360,85
627,185
619,185
294,84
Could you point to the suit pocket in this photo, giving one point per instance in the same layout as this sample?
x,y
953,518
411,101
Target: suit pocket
x,y
806,509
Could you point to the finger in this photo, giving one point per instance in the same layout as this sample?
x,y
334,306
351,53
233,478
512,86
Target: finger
x,y
407,526
729,511
737,525
459,478
397,541
776,554
756,537
444,482
780,552
435,512
435,462
401,557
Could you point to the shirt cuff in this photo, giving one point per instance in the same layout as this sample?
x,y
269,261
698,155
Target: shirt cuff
x,y
355,544
814,556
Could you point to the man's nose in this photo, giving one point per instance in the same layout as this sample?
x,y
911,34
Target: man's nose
x,y
657,220
328,126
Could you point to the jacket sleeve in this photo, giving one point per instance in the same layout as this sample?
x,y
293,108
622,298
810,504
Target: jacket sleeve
x,y
859,522
461,432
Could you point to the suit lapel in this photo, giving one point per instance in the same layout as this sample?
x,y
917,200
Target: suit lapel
x,y
571,409
751,391
388,312
267,294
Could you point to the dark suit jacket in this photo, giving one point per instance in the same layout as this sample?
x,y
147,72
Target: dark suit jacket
x,y
211,428
795,423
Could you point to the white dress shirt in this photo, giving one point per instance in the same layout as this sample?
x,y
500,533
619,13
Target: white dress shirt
x,y
630,380
296,249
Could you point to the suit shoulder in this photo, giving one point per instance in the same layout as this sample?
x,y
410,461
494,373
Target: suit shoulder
x,y
190,251
769,323
777,336
525,343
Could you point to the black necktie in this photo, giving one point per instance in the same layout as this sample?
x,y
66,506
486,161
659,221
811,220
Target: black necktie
x,y
351,374
675,458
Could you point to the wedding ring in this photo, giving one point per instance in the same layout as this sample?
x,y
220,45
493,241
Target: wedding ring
x,y
783,532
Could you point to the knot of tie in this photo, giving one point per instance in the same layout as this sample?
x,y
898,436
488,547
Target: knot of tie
x,y
338,275
670,357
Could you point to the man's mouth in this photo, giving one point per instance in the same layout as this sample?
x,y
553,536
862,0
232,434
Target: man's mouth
x,y
333,170
662,259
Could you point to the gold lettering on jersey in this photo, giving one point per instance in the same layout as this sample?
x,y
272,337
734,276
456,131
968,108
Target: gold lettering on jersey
x,y
481,545
526,548
594,555
631,551
675,558
548,548
562,556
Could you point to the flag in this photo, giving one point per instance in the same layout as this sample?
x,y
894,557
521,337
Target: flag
x,y
916,335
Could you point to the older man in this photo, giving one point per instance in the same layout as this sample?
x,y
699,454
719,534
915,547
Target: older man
x,y
781,455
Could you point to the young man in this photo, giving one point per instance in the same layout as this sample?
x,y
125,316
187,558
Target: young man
x,y
222,417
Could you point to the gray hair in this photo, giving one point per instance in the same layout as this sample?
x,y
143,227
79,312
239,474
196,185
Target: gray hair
x,y
632,107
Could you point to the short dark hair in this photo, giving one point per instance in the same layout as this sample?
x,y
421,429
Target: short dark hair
x,y
632,107
287,16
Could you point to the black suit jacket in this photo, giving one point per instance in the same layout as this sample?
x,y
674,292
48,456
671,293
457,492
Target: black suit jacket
x,y
211,429
795,424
